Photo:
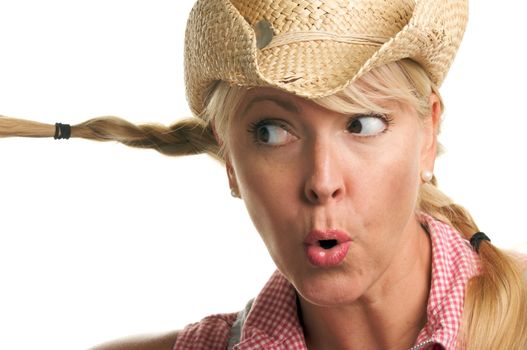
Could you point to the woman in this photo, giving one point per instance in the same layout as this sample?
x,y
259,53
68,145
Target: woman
x,y
332,150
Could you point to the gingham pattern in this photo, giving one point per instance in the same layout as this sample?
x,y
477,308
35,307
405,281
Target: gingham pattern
x,y
273,323
211,333
453,263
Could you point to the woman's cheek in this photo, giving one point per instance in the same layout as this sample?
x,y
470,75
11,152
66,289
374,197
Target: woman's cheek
x,y
401,185
264,194
386,189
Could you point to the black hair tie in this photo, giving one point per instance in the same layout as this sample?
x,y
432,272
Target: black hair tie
x,y
62,131
476,240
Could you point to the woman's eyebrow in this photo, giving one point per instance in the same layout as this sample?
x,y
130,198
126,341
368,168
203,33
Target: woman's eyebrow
x,y
289,106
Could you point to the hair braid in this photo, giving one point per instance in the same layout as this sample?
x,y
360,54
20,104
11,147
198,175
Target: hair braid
x,y
185,137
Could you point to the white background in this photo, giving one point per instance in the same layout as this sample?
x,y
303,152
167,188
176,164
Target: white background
x,y
99,241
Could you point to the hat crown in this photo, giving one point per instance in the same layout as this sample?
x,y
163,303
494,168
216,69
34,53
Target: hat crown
x,y
314,48
372,17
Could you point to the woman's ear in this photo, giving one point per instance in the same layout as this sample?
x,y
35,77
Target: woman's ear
x,y
431,129
231,175
233,182
215,133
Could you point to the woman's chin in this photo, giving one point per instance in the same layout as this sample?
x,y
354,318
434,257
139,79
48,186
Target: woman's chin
x,y
328,288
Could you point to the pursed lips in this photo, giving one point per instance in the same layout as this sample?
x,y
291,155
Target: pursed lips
x,y
327,248
324,237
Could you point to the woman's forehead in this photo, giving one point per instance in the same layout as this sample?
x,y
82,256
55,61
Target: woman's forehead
x,y
284,99
256,92
294,103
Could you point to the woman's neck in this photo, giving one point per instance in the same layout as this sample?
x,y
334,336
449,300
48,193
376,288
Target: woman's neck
x,y
389,316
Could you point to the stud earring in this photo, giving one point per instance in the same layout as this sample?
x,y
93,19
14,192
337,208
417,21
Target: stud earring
x,y
234,193
426,176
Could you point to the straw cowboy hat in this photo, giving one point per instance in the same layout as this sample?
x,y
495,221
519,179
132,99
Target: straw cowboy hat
x,y
315,48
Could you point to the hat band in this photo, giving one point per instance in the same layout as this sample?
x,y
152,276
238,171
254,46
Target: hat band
x,y
295,37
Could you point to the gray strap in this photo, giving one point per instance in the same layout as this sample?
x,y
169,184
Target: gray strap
x,y
237,326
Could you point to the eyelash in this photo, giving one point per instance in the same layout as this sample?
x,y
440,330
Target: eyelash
x,y
386,118
253,127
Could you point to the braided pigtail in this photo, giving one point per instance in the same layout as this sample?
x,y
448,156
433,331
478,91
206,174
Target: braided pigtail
x,y
495,311
185,137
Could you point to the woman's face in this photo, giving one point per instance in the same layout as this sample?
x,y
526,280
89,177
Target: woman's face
x,y
332,195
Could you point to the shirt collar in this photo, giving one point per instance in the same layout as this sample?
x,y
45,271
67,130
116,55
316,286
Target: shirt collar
x,y
273,321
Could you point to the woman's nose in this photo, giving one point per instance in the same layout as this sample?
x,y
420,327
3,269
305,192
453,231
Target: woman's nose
x,y
325,178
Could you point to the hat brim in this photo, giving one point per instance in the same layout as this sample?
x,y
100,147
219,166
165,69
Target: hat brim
x,y
313,69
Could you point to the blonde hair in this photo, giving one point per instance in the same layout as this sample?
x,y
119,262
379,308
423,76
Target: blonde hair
x,y
185,137
495,309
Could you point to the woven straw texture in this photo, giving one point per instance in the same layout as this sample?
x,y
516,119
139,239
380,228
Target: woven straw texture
x,y
315,48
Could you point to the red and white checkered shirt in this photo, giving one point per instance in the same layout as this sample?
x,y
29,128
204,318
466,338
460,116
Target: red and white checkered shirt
x,y
273,323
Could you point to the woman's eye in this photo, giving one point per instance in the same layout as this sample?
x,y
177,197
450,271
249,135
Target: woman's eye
x,y
368,125
270,133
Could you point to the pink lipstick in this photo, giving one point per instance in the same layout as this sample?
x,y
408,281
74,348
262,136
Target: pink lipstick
x,y
327,248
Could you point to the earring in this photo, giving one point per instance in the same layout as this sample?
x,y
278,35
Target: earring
x,y
234,193
426,176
